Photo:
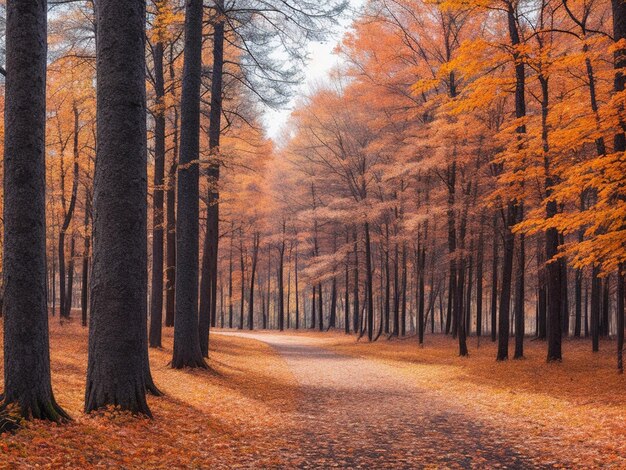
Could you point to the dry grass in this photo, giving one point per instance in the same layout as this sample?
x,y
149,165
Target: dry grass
x,y
207,418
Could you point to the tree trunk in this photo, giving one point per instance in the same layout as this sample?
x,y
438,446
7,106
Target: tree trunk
x,y
494,279
355,296
620,317
255,255
156,294
85,273
187,352
297,291
505,291
27,381
65,303
595,308
208,286
369,283
520,288
346,308
116,371
320,305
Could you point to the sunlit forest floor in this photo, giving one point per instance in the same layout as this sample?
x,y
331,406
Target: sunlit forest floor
x,y
206,418
313,399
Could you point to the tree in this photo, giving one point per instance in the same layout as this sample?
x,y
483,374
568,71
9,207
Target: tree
x,y
187,352
116,372
27,379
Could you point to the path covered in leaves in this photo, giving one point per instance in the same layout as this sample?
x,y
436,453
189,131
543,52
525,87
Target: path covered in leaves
x,y
359,413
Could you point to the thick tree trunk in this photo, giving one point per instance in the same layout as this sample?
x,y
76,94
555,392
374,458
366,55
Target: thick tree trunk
x,y
116,372
26,356
156,294
187,352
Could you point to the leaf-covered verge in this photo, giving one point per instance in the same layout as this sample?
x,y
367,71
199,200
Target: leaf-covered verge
x,y
219,418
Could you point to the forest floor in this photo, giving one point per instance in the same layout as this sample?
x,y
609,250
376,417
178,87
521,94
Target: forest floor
x,y
313,400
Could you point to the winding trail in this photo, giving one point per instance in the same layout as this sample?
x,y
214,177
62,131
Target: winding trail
x,y
359,413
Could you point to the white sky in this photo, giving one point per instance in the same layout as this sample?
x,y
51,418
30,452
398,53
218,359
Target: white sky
x,y
321,62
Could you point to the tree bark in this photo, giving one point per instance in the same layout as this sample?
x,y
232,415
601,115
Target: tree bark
x,y
208,286
116,373
187,352
156,297
85,273
27,382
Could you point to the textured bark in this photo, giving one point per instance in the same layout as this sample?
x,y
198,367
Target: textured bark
x,y
187,352
27,381
116,372
156,294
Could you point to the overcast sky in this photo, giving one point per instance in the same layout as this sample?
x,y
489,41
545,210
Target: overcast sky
x,y
321,61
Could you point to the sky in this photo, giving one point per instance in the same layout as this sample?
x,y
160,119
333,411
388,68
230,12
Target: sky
x,y
321,62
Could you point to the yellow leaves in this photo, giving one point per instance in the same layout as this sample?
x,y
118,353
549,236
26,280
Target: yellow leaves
x,y
165,22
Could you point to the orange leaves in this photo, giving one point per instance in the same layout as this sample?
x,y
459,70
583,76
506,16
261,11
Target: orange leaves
x,y
220,418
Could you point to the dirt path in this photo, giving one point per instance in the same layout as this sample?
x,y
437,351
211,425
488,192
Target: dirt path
x,y
358,413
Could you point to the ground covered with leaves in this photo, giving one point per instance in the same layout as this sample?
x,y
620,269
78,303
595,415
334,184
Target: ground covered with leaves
x,y
220,418
312,400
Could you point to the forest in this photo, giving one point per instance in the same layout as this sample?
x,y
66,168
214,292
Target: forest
x,y
441,216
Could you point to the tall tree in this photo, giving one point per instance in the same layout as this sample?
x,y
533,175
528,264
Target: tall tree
x,y
27,382
187,352
116,371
